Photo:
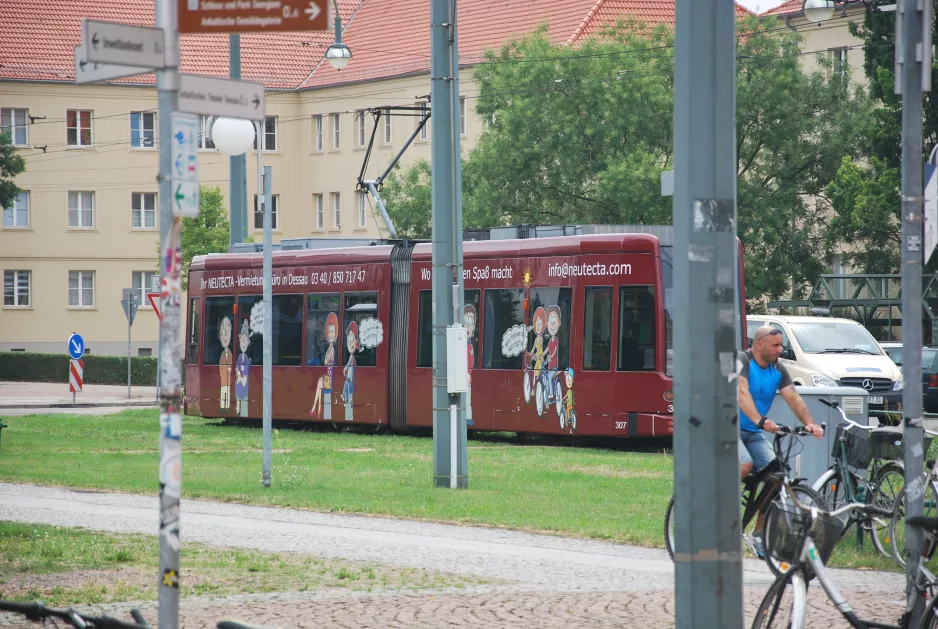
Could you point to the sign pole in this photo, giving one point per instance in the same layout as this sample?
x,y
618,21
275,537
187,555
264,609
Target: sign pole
x,y
129,325
268,314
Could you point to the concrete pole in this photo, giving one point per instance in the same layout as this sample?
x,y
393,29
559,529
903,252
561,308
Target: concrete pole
x,y
446,237
708,565
171,348
910,83
268,313
237,164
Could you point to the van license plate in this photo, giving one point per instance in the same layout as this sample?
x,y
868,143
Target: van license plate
x,y
875,399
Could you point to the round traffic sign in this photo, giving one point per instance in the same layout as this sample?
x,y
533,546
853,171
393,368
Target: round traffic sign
x,y
76,346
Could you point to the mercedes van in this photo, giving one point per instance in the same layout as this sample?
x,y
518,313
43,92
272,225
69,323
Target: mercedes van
x,y
829,352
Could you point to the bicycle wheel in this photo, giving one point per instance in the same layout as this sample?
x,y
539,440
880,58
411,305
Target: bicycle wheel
x,y
669,528
930,617
897,523
783,606
808,497
832,489
889,482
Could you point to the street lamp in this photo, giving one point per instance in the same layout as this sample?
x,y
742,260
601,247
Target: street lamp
x,y
232,136
818,11
338,54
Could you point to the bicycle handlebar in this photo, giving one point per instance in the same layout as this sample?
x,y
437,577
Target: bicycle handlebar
x,y
37,612
799,431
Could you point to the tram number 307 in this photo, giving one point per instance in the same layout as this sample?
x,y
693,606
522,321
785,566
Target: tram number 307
x,y
625,425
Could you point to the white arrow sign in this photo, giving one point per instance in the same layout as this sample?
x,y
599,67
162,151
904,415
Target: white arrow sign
x,y
91,72
209,96
312,11
109,42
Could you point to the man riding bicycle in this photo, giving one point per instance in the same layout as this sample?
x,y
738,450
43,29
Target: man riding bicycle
x,y
759,379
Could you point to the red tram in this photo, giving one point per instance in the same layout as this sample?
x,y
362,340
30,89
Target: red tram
x,y
566,334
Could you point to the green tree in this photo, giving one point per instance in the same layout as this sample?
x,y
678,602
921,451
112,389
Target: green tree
x,y
407,199
11,165
206,233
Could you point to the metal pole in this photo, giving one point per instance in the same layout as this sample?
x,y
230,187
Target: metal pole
x,y
129,306
446,271
708,564
237,164
268,315
911,81
171,349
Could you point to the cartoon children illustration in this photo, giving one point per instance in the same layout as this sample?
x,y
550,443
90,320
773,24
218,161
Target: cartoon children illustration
x,y
569,405
553,327
348,390
323,400
540,319
224,363
469,314
243,371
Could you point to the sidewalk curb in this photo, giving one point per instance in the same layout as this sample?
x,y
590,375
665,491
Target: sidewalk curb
x,y
136,403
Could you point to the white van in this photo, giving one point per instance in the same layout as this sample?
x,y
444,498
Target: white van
x,y
829,352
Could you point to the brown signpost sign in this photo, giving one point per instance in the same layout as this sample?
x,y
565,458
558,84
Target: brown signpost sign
x,y
253,16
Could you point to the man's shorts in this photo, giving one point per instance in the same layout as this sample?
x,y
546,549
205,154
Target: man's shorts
x,y
755,448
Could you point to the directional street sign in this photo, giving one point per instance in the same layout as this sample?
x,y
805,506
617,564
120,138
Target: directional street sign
x,y
246,16
184,183
208,96
90,71
129,301
109,42
931,210
76,346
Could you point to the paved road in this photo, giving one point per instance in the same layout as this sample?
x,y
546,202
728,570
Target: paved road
x,y
37,397
555,582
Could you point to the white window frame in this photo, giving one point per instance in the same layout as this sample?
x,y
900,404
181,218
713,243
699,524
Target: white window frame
x,y
20,276
142,117
336,132
204,140
317,133
264,133
137,205
141,281
17,119
80,276
425,130
360,128
274,216
388,134
362,209
77,129
24,195
337,210
462,116
838,60
80,209
319,208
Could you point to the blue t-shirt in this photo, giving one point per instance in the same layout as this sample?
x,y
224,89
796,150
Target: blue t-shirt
x,y
764,382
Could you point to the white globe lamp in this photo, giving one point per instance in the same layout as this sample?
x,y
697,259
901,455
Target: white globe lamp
x,y
233,136
818,10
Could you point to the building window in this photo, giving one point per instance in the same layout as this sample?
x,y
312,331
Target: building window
x,y
142,281
362,213
81,210
142,129
597,328
78,125
462,116
317,133
13,123
335,132
145,351
424,130
18,214
269,133
636,329
360,127
259,213
81,289
320,211
205,142
16,289
337,210
387,126
143,210
839,60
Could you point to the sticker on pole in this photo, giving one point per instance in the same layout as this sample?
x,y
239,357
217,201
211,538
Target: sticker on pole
x,y
931,210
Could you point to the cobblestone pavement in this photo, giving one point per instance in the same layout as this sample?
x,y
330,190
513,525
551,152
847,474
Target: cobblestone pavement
x,y
557,582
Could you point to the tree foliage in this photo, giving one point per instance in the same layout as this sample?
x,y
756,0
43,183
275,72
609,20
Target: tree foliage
x,y
11,165
206,233
407,199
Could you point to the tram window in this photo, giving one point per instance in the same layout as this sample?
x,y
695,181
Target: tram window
x,y
636,329
425,329
503,310
471,318
217,311
322,330
194,328
358,307
255,338
552,307
597,328
287,327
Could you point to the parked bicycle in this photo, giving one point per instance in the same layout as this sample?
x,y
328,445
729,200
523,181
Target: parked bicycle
x,y
39,613
805,538
759,491
878,452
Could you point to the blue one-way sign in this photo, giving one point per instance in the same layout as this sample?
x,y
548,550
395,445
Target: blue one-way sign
x,y
76,346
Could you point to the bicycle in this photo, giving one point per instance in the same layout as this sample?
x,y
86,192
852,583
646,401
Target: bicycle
x,y
37,612
770,479
806,542
864,447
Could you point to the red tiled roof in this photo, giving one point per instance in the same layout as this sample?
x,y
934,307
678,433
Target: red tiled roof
x,y
787,8
387,37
